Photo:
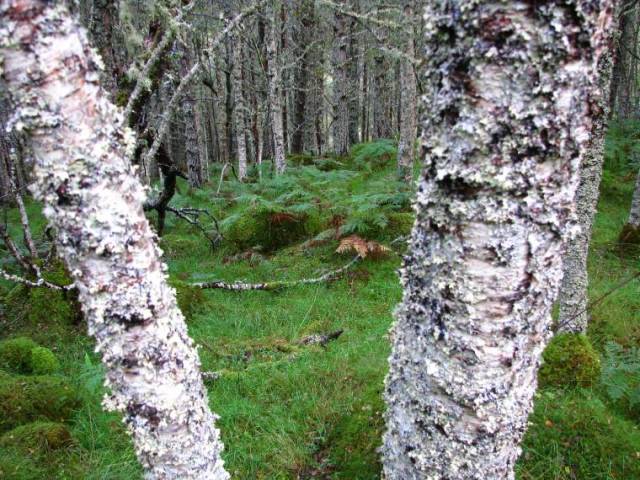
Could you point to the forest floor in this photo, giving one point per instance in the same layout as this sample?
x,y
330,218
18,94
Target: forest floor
x,y
292,411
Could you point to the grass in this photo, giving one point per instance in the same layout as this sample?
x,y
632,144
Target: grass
x,y
291,412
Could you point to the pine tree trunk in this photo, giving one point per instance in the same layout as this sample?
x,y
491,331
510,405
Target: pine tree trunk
x,y
340,85
573,292
275,91
408,99
506,116
94,202
239,111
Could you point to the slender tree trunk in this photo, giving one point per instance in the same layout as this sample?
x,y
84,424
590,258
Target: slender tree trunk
x,y
94,201
573,292
381,98
506,117
408,99
239,111
192,144
306,16
340,85
275,91
631,231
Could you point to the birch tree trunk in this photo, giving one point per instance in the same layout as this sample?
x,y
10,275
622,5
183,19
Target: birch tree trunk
x,y
239,111
192,144
573,292
506,117
408,99
93,200
275,90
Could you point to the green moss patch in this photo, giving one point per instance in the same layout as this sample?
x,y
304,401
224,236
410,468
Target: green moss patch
x,y
37,436
569,360
27,399
23,355
191,300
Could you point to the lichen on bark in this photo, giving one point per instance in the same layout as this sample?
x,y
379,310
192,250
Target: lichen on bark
x,y
94,201
505,121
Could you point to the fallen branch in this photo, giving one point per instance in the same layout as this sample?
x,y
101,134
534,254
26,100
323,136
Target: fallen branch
x,y
277,285
321,339
40,282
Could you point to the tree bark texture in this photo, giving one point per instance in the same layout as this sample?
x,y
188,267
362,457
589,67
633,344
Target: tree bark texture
x,y
340,85
239,111
94,201
573,291
408,100
275,90
506,118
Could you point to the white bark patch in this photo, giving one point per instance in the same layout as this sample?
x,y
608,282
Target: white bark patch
x,y
505,121
94,201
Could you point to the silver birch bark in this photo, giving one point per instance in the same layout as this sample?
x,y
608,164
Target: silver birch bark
x,y
239,111
275,90
573,291
408,99
93,200
634,213
506,118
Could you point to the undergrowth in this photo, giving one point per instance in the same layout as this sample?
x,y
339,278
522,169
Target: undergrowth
x,y
289,412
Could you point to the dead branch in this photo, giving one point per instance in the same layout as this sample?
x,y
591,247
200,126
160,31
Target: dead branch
x,y
277,285
321,339
192,215
40,282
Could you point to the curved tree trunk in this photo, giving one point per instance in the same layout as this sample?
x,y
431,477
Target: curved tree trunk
x,y
573,292
506,119
94,201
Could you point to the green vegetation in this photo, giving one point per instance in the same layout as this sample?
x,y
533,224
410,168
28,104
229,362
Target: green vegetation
x,y
290,411
569,360
23,355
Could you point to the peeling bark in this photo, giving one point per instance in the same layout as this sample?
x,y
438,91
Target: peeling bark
x,y
94,201
506,119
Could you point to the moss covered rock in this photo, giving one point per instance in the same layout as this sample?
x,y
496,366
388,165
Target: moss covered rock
x,y
37,436
27,399
23,355
43,361
569,360
15,354
191,300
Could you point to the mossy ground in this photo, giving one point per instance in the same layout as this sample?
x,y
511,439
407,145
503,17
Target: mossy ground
x,y
290,412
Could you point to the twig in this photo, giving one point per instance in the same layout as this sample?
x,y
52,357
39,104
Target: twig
x,y
190,215
151,62
277,285
597,301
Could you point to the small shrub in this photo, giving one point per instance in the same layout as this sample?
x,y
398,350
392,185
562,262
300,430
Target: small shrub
x,y
36,436
15,354
374,155
43,361
569,360
269,228
27,399
191,300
